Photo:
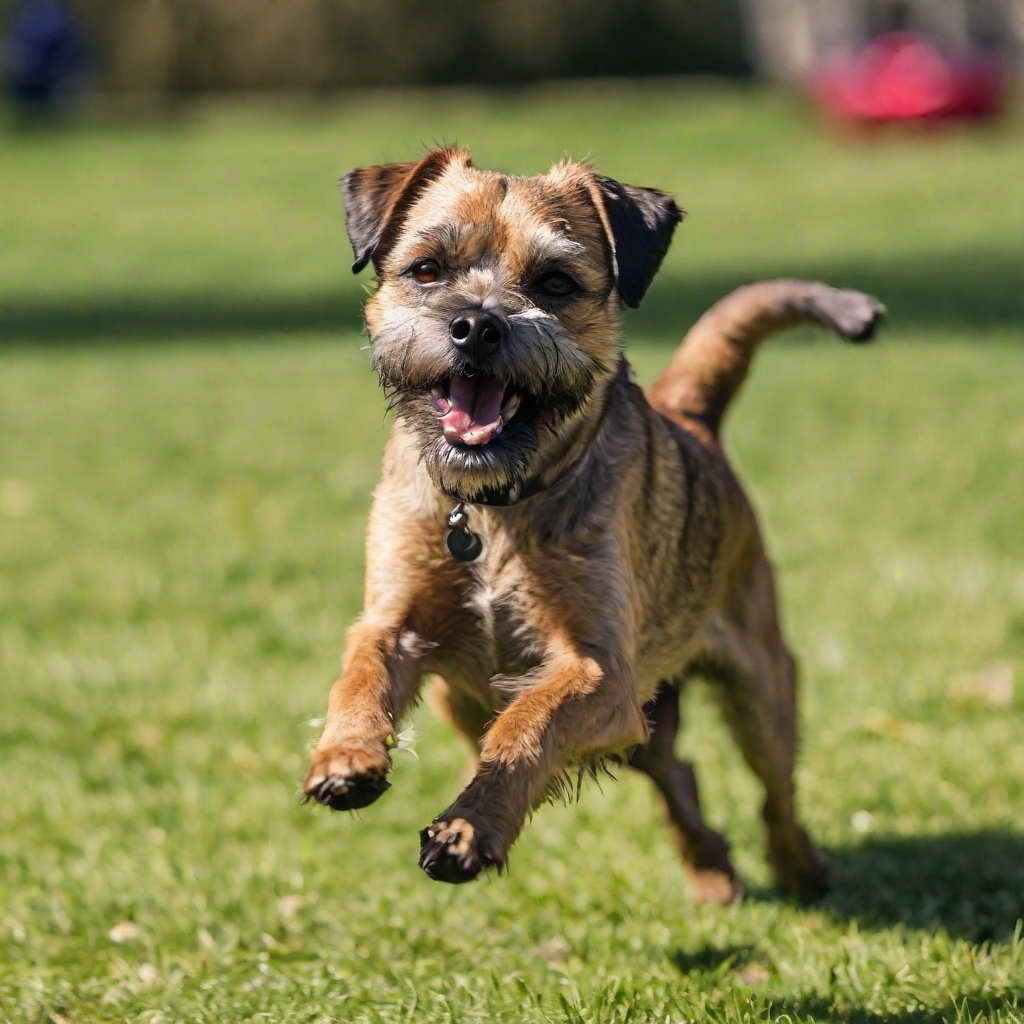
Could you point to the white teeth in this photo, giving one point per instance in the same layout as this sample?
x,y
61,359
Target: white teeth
x,y
440,401
509,409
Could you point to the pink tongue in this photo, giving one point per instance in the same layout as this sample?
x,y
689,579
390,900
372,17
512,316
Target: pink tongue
x,y
475,411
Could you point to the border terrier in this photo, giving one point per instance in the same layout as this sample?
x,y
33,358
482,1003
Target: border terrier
x,y
558,550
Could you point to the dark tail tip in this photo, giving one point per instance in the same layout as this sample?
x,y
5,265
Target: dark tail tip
x,y
853,315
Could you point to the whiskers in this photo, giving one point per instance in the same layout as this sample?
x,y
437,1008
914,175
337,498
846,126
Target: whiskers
x,y
539,362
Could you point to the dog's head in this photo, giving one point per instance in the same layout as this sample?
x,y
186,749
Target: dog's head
x,y
496,315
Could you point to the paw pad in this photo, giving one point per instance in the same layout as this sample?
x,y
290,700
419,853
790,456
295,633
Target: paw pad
x,y
453,851
347,779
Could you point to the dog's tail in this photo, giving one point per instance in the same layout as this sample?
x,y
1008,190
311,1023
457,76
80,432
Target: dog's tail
x,y
710,365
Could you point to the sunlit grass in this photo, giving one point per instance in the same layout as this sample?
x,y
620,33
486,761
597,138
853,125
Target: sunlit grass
x,y
189,437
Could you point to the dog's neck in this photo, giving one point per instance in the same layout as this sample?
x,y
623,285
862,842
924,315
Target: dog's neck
x,y
577,475
500,497
572,477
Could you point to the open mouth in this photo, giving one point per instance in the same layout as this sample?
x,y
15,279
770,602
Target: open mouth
x,y
473,410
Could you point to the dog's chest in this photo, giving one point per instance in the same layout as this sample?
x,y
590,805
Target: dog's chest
x,y
507,633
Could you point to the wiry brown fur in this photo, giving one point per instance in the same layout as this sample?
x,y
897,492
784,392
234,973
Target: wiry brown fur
x,y
638,563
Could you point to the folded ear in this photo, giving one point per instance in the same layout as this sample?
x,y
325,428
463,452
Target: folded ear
x,y
378,198
639,223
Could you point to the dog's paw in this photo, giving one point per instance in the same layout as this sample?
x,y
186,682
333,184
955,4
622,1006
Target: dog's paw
x,y
347,778
716,888
805,877
455,851
812,883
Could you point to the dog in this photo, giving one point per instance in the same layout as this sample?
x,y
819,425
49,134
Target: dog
x,y
557,550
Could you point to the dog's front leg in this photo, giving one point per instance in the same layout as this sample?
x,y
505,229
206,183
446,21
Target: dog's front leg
x,y
379,679
576,706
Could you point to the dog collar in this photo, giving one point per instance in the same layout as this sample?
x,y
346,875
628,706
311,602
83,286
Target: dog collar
x,y
462,543
500,497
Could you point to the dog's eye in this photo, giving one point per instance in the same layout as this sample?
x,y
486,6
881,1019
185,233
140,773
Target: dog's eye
x,y
425,271
556,284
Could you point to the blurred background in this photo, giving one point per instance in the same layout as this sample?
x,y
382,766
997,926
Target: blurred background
x,y
168,47
190,436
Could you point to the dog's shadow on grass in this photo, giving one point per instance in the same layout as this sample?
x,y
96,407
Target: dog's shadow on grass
x,y
711,959
969,883
971,1007
929,291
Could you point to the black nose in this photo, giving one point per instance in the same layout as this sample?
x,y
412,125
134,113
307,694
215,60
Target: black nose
x,y
476,333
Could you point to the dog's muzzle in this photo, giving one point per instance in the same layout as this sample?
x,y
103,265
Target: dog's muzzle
x,y
478,334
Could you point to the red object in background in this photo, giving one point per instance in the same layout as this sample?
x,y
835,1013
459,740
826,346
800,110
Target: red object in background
x,y
904,77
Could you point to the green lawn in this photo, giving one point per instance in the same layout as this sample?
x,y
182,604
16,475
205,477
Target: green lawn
x,y
188,440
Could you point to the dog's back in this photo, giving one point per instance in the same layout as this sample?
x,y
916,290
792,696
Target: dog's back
x,y
660,470
716,585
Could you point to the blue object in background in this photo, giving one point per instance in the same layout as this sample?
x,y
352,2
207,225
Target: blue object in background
x,y
46,53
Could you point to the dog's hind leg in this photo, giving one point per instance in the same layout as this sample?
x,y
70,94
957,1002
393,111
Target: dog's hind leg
x,y
757,677
704,851
468,716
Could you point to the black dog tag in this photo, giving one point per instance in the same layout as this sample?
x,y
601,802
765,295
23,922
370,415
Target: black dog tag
x,y
463,545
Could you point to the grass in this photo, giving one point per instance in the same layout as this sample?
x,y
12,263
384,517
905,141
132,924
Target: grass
x,y
188,444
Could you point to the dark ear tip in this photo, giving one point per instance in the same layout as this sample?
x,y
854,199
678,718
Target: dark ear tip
x,y
360,263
